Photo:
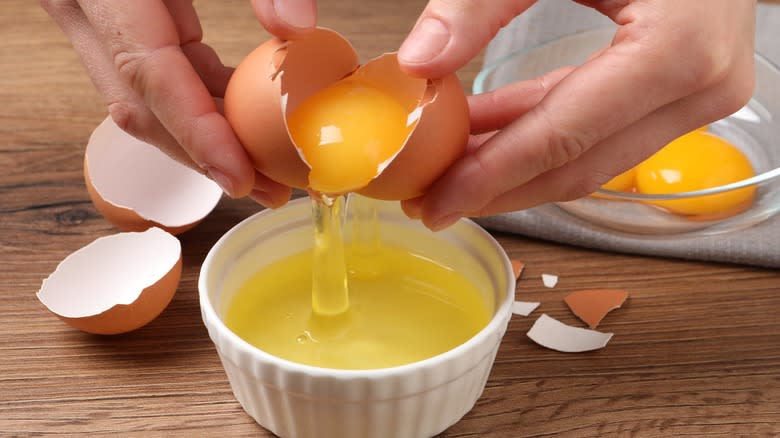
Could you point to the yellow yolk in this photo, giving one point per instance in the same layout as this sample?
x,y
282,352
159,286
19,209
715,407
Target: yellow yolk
x,y
404,309
346,132
623,182
697,161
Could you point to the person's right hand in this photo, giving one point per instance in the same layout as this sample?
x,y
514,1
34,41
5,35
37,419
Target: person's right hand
x,y
164,86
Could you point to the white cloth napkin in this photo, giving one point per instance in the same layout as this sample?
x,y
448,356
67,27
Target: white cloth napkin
x,y
758,245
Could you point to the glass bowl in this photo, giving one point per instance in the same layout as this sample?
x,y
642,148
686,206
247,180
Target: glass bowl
x,y
754,129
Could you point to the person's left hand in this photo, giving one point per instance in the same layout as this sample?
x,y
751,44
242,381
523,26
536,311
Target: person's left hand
x,y
672,66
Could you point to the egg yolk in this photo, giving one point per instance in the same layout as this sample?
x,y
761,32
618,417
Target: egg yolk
x,y
346,132
623,182
697,161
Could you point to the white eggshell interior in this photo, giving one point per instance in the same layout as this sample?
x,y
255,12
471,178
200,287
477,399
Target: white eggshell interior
x,y
551,333
135,175
549,280
524,308
111,270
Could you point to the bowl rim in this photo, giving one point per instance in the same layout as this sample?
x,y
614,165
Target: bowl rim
x,y
210,317
478,87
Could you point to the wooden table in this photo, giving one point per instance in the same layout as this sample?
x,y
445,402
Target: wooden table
x,y
696,350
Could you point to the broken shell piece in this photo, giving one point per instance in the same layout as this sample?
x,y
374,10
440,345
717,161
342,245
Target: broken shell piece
x,y
549,280
517,268
136,186
524,308
555,335
115,284
591,306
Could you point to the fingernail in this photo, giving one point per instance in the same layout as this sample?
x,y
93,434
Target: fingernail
x,y
296,13
446,221
427,40
262,198
221,179
413,213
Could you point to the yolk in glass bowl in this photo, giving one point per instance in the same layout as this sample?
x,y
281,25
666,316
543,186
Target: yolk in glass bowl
x,y
696,161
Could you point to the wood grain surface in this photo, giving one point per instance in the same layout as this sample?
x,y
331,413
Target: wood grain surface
x,y
696,350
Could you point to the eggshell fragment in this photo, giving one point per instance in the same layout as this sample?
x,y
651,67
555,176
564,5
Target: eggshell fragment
x,y
136,186
524,308
549,280
555,335
115,284
517,268
591,306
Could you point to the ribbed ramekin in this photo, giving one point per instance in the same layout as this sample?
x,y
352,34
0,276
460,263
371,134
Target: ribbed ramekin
x,y
415,400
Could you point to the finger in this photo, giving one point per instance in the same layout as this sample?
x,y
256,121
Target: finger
x,y
209,67
269,193
286,18
147,55
496,109
599,98
413,207
119,98
203,58
451,32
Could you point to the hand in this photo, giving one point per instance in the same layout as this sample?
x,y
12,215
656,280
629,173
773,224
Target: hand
x,y
672,67
164,86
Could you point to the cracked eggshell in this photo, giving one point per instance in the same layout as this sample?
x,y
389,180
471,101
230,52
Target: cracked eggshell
x,y
136,186
277,76
117,283
591,306
259,92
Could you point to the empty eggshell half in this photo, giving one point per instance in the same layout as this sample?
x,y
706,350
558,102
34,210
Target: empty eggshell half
x,y
115,284
135,186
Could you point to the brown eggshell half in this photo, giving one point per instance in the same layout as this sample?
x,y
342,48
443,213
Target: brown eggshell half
x,y
136,186
260,89
439,139
115,284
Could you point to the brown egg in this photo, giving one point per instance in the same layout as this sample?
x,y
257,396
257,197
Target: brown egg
x,y
279,75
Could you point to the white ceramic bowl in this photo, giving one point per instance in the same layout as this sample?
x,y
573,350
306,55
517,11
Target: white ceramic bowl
x,y
415,400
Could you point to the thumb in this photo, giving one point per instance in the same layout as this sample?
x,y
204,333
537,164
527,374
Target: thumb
x,y
286,18
451,32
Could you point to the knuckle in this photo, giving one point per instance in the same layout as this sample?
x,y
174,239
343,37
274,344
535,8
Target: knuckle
x,y
563,144
706,63
132,64
129,64
485,175
707,67
739,88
